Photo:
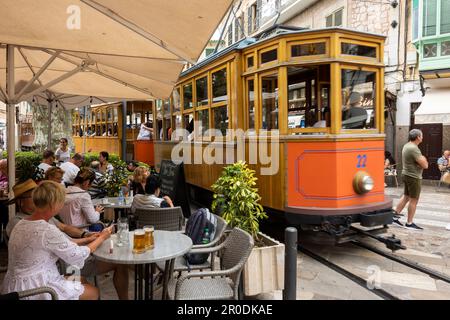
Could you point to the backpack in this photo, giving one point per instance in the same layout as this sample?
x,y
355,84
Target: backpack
x,y
195,227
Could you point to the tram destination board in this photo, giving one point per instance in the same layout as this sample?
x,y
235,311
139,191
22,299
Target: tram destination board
x,y
173,184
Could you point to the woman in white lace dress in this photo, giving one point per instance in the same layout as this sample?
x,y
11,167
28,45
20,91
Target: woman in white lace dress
x,y
35,245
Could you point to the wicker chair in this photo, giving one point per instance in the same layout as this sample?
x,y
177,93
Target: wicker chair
x,y
169,219
221,284
28,293
180,262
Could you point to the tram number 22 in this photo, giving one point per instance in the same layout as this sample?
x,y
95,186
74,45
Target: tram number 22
x,y
362,159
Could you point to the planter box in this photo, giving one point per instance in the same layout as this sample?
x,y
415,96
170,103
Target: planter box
x,y
264,270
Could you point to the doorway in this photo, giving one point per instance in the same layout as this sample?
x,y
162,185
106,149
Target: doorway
x,y
431,148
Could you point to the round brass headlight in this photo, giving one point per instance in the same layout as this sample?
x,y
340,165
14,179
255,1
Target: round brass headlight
x,y
362,182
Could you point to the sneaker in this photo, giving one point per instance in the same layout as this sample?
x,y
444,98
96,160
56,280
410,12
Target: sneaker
x,y
396,221
413,226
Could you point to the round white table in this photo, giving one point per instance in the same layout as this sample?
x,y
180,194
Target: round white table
x,y
168,246
113,202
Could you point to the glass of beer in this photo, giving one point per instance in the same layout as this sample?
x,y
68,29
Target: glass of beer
x,y
149,240
139,241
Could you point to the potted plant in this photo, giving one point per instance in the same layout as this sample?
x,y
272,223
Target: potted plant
x,y
236,198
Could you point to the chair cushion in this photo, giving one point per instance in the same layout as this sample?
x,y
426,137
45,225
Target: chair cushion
x,y
202,289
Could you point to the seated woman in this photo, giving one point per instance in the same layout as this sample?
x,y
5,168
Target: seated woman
x,y
139,177
151,197
35,245
78,209
389,161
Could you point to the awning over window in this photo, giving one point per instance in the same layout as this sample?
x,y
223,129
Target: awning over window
x,y
435,107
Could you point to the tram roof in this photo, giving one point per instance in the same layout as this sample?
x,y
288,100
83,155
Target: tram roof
x,y
266,35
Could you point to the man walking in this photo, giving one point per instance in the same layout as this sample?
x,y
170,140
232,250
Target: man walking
x,y
413,164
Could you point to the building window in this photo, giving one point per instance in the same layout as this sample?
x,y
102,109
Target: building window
x,y
335,19
269,90
415,14
430,50
230,34
236,29
187,96
208,51
203,118
219,86
358,50
429,17
251,103
220,115
250,62
308,49
445,16
445,48
250,16
201,86
269,56
358,99
176,100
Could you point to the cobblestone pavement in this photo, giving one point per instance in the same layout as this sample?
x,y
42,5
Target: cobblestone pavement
x,y
430,247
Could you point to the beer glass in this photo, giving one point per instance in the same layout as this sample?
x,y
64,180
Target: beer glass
x,y
149,240
139,241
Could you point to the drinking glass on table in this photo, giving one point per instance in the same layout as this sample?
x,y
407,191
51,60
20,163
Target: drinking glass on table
x,y
149,239
122,231
139,241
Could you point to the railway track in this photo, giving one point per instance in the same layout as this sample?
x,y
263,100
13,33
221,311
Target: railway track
x,y
363,282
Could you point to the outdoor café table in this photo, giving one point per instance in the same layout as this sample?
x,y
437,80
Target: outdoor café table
x,y
168,246
113,202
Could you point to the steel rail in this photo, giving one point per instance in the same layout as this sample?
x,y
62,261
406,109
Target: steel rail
x,y
414,265
357,279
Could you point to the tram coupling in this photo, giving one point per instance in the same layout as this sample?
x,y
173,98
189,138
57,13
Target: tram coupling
x,y
391,242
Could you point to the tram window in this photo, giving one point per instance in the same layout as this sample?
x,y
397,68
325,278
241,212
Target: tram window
x,y
308,49
358,50
302,104
269,86
358,98
219,86
250,62
166,127
176,100
251,103
269,56
189,124
220,115
201,86
203,118
187,96
116,114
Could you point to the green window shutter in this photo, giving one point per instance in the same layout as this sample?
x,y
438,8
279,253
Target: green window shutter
x,y
329,22
415,21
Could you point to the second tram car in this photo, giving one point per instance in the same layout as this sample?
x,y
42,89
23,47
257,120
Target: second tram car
x,y
322,92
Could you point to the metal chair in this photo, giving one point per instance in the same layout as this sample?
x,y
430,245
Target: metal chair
x,y
391,171
221,284
29,293
181,263
442,179
169,219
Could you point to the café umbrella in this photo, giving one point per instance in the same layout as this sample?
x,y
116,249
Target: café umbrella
x,y
77,52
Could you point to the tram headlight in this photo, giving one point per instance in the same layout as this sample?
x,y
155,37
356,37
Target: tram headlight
x,y
362,182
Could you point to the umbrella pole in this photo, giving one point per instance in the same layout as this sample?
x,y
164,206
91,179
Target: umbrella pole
x,y
11,116
124,130
49,129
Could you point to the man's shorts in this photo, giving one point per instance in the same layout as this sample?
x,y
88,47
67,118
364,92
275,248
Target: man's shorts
x,y
412,186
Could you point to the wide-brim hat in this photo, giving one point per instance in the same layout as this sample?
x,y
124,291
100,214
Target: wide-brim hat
x,y
21,188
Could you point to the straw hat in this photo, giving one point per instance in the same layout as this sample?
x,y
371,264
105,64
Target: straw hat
x,y
21,188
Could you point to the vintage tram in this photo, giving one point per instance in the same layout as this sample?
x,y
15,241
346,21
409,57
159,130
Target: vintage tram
x,y
321,94
99,127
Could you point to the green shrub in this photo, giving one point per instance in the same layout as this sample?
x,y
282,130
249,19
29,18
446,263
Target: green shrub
x,y
26,163
237,198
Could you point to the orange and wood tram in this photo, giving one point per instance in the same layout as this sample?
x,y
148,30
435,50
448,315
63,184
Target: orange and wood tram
x,y
99,128
321,94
